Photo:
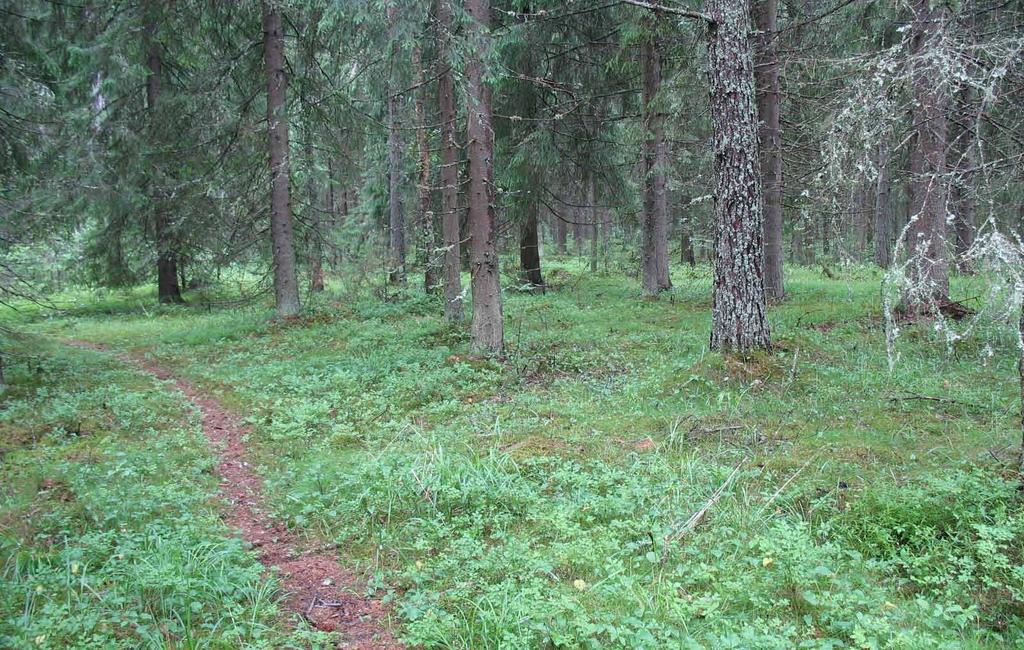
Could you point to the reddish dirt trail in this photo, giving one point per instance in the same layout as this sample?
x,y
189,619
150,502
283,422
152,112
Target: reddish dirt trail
x,y
315,585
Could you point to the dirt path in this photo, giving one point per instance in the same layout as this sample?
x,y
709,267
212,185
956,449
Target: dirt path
x,y
315,585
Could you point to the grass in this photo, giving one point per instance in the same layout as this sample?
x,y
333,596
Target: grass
x,y
526,503
108,536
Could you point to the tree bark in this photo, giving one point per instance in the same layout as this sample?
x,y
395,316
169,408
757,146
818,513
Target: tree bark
x,y
488,332
286,286
592,211
883,210
1020,373
739,310
686,255
770,140
927,235
654,252
561,233
424,216
316,249
396,209
450,232
529,249
168,290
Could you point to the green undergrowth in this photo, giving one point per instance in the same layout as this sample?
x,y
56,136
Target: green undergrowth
x,y
541,500
108,535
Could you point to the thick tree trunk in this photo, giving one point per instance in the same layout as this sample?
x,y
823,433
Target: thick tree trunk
x,y
770,136
450,232
168,290
883,210
654,251
488,330
286,285
396,209
927,235
739,311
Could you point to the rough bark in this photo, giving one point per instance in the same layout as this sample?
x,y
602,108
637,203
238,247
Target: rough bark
x,y
883,209
927,235
286,286
739,310
450,232
168,290
770,140
424,215
396,209
487,331
654,250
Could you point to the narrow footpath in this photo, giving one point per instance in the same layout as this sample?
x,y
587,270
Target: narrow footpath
x,y
316,586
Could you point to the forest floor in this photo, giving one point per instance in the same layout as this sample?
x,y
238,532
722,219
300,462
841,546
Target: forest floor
x,y
314,585
542,500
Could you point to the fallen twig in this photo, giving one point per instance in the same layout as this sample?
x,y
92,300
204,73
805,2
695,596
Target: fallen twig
x,y
784,486
929,398
690,524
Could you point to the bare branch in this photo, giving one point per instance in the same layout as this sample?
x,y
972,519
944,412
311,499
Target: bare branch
x,y
676,11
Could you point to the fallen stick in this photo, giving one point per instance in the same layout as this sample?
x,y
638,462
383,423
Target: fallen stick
x,y
698,516
928,398
785,485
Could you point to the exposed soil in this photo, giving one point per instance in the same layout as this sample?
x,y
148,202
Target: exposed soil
x,y
315,584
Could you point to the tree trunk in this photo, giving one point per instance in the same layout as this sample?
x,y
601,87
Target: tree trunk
x,y
739,311
1020,373
286,285
529,249
488,332
450,232
424,216
577,223
770,136
316,249
883,210
396,209
592,212
927,235
654,252
686,255
561,233
168,290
